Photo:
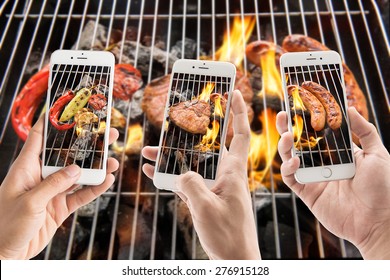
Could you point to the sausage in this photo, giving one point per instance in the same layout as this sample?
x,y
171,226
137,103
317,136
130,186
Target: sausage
x,y
255,49
334,117
355,96
315,107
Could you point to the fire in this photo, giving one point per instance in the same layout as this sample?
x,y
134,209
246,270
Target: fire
x,y
206,92
297,101
263,148
299,141
209,140
134,141
218,106
272,82
233,46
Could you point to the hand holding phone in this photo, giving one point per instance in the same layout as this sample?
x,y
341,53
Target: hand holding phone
x,y
78,113
317,115
196,116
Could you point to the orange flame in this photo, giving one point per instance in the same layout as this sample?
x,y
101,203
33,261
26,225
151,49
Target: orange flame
x,y
272,82
218,110
297,101
209,142
134,141
233,47
299,141
263,148
206,92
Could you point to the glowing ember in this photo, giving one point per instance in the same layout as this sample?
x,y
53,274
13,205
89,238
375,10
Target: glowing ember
x,y
233,47
263,148
272,82
206,92
134,141
209,142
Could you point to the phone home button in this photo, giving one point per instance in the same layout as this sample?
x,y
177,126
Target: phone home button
x,y
326,172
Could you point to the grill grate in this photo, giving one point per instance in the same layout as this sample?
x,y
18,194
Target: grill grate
x,y
327,148
183,151
133,225
85,147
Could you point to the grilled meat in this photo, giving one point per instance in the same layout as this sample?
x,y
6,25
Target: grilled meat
x,y
192,116
256,49
355,96
242,83
155,98
312,104
334,117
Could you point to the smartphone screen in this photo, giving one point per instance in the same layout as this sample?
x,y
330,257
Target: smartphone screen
x,y
316,104
76,127
192,134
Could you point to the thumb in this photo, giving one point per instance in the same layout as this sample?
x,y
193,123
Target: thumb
x,y
192,186
56,183
365,131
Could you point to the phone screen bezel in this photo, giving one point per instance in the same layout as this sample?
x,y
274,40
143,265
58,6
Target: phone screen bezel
x,y
197,67
94,58
318,173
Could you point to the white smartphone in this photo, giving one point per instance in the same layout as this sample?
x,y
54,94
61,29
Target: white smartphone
x,y
78,110
316,106
196,117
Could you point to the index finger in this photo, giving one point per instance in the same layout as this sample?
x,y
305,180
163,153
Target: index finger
x,y
241,140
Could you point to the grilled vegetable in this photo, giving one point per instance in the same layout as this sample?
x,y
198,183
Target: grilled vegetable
x,y
56,109
83,119
97,101
27,102
76,104
127,80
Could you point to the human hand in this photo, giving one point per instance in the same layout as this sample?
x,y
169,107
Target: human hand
x,y
357,209
31,209
222,216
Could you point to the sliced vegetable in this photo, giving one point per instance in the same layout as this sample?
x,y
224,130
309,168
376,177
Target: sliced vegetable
x,y
56,109
76,104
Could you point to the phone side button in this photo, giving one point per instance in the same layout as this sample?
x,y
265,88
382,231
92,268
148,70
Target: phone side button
x,y
326,172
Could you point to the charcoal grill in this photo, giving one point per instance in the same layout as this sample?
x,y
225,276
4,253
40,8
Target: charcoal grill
x,y
137,220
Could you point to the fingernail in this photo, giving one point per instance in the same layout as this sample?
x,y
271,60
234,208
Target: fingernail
x,y
72,170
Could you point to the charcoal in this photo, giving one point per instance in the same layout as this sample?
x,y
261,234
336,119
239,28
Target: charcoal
x,y
81,147
34,62
272,102
181,96
260,200
143,58
158,42
87,36
86,81
189,48
185,226
89,209
61,239
124,230
286,236
136,111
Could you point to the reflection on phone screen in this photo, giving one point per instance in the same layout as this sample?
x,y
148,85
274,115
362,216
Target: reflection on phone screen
x,y
194,124
77,115
318,114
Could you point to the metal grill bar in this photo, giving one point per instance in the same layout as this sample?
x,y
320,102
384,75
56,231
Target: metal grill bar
x,y
189,16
